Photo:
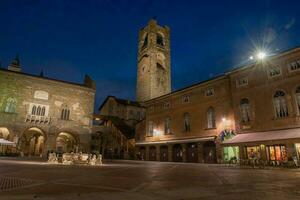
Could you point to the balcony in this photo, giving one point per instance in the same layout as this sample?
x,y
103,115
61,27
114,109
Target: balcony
x,y
37,119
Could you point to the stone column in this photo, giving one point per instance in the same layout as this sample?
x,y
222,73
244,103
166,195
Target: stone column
x,y
184,152
200,152
147,153
170,152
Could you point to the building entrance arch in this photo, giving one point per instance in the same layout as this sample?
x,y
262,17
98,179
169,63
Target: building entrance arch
x,y
66,143
32,142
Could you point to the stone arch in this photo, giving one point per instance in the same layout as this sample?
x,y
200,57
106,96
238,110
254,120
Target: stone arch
x,y
177,153
142,153
209,152
152,153
66,142
164,153
32,142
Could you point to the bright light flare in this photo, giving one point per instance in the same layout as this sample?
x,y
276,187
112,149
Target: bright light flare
x,y
261,55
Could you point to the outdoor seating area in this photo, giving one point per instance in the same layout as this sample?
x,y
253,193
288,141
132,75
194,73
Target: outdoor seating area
x,y
75,159
259,163
7,148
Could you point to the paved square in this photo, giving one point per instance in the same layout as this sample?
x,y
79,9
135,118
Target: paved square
x,y
23,179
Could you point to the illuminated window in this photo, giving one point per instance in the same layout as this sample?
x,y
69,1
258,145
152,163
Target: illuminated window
x,y
245,110
253,152
211,122
11,104
280,104
168,125
186,122
150,128
276,153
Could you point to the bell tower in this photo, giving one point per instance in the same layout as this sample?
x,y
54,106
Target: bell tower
x,y
153,68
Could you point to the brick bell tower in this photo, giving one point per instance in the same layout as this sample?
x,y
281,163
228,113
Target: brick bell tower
x,y
153,68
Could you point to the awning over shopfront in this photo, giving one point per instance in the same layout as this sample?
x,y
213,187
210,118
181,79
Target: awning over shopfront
x,y
191,140
4,142
264,136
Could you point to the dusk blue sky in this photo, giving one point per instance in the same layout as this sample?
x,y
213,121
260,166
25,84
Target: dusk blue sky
x,y
68,39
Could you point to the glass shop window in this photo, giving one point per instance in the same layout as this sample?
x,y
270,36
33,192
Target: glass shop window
x,y
231,153
276,153
253,152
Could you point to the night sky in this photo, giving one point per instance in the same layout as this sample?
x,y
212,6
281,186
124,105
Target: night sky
x,y
68,39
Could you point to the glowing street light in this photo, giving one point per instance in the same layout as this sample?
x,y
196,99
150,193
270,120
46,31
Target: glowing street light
x,y
261,55
156,132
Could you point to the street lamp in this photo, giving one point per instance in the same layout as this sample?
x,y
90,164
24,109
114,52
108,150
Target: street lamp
x,y
261,55
156,132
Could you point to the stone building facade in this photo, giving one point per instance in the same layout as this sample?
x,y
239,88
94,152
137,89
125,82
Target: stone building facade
x,y
250,111
114,127
153,71
41,114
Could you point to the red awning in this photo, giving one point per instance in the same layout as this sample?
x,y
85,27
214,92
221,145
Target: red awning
x,y
264,136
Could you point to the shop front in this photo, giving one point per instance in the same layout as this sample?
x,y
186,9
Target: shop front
x,y
273,147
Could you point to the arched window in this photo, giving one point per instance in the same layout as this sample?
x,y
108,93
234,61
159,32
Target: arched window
x,y
211,122
297,93
186,122
65,113
43,111
245,110
159,39
38,111
280,104
11,105
168,125
33,111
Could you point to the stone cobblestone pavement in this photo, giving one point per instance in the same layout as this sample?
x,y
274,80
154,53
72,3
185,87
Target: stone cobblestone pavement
x,y
28,179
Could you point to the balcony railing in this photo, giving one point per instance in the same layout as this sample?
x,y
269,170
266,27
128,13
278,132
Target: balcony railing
x,y
38,119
